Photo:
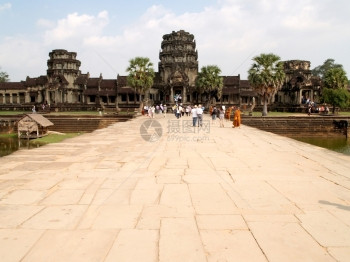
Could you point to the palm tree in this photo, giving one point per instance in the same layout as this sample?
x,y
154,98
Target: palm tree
x,y
335,78
335,88
141,75
208,81
266,76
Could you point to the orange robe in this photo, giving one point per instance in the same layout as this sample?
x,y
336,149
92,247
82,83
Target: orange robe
x,y
237,118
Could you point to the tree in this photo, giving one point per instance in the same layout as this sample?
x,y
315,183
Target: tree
x,y
141,76
335,88
335,78
266,76
4,77
321,70
210,82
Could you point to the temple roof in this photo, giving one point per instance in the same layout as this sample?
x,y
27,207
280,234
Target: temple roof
x,y
41,80
231,80
12,85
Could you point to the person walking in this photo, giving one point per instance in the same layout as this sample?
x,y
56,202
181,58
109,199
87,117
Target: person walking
x,y
237,118
214,112
164,110
200,115
221,116
194,115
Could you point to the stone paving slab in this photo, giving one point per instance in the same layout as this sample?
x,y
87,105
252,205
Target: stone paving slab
x,y
197,194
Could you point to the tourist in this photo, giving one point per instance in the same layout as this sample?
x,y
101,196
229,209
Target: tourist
x,y
177,111
214,113
188,110
200,115
164,110
33,109
180,110
194,115
221,116
237,118
151,111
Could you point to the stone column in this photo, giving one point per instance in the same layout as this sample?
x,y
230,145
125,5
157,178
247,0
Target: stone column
x,y
171,94
11,99
184,95
26,97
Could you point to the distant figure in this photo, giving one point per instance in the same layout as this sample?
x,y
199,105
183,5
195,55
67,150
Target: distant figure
x,y
200,115
214,112
221,116
194,115
237,118
33,109
164,110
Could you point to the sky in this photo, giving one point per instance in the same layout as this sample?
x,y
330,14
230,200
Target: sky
x,y
106,34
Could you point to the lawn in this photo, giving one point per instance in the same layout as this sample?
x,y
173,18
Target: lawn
x,y
286,114
13,113
52,137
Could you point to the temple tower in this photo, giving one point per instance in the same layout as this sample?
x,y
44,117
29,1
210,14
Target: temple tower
x,y
300,84
63,70
178,66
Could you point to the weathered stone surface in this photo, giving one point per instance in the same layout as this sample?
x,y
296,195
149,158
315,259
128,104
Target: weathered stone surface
x,y
78,245
180,240
231,245
287,242
241,195
135,245
15,243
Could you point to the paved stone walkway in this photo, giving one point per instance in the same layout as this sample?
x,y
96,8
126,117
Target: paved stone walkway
x,y
218,194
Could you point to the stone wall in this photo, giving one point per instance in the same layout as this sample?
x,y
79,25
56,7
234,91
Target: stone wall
x,y
65,124
297,126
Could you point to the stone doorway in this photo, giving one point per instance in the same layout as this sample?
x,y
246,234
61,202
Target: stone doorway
x,y
178,94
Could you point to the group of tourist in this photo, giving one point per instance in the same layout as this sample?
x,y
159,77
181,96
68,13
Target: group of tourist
x,y
222,113
150,111
180,110
196,112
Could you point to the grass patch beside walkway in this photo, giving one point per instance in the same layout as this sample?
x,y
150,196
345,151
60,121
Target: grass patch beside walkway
x,y
54,138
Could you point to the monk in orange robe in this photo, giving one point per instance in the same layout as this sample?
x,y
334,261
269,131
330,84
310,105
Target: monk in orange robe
x,y
237,118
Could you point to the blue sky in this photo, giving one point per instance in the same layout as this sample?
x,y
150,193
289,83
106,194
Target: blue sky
x,y
106,34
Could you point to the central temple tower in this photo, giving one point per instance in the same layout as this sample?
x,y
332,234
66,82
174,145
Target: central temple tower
x,y
178,66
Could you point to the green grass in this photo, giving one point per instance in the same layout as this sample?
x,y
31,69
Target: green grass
x,y
53,138
75,113
286,114
66,113
8,135
344,113
276,114
13,113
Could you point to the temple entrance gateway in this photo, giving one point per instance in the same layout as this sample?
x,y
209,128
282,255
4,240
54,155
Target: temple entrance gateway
x,y
178,94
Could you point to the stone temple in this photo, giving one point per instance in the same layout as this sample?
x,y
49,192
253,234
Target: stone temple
x,y
64,86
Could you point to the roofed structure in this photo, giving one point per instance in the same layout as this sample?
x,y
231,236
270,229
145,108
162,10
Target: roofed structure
x,y
33,126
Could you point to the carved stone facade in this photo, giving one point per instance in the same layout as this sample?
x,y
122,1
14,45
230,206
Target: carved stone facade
x,y
300,84
178,66
64,85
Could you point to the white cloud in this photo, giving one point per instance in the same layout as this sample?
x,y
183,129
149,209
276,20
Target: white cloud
x,y
5,6
76,26
228,34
